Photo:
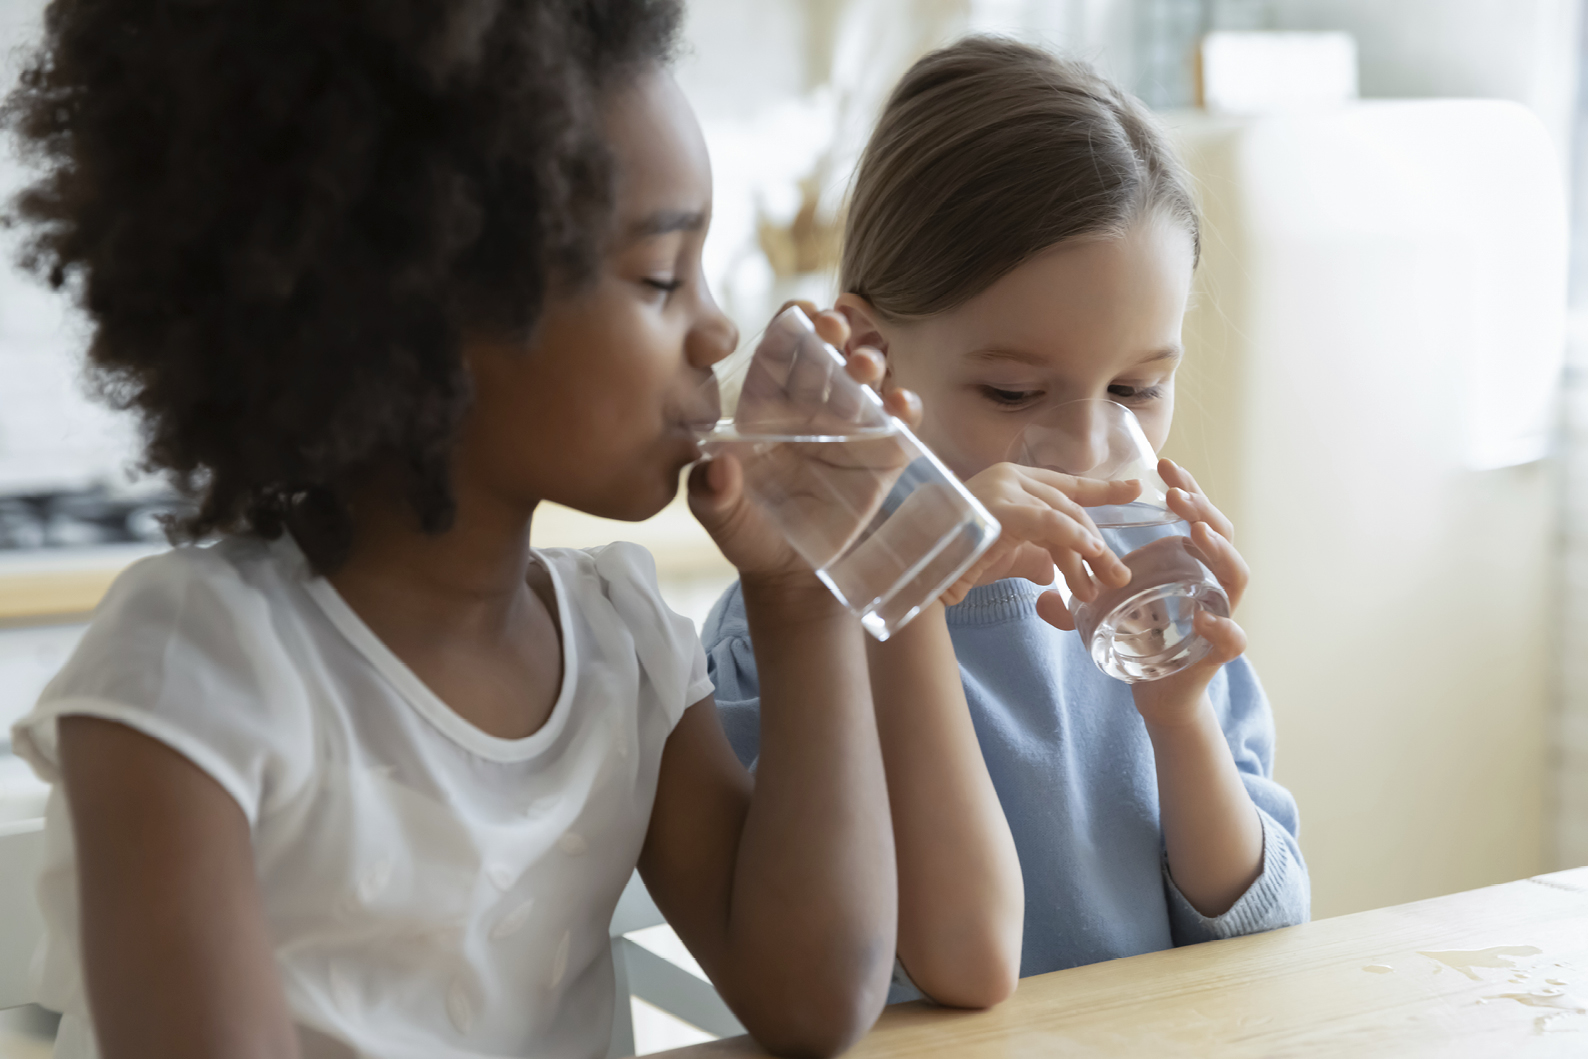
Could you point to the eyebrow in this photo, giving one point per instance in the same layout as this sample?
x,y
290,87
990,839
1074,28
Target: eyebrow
x,y
1021,356
666,222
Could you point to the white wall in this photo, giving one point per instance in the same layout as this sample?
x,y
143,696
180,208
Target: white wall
x,y
51,436
1528,51
1522,50
1359,278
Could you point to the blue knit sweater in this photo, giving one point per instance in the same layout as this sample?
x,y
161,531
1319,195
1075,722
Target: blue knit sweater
x,y
1073,767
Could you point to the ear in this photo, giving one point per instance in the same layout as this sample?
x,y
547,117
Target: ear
x,y
866,325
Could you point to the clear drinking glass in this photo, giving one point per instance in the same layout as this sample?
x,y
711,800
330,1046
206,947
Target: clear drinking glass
x,y
882,522
1144,630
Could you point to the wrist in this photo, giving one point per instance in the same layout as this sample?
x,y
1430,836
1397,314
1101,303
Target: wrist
x,y
797,596
1168,720
923,629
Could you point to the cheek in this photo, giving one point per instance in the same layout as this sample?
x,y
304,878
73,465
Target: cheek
x,y
956,423
1156,422
610,372
967,435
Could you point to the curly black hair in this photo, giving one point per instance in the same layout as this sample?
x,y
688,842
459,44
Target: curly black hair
x,y
283,216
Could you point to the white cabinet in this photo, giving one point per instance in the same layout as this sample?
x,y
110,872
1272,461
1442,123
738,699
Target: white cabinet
x,y
1371,359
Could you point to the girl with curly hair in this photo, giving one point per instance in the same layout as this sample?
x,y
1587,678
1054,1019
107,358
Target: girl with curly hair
x,y
365,773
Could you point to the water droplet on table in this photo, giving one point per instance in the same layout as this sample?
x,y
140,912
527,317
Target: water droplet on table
x,y
1464,960
1558,1000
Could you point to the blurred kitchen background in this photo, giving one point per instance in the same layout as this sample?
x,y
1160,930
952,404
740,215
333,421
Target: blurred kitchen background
x,y
1386,387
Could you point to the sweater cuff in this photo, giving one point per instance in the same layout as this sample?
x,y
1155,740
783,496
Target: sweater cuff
x,y
1279,897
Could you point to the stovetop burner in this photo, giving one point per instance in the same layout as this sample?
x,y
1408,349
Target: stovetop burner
x,y
85,518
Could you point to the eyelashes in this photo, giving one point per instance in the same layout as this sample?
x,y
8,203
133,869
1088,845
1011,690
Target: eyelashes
x,y
666,286
1136,393
1125,394
1009,397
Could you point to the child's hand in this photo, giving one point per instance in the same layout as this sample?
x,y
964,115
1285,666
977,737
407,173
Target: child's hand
x,y
1045,525
746,536
1175,699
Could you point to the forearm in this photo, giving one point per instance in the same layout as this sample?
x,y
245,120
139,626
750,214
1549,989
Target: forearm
x,y
1212,833
961,897
814,902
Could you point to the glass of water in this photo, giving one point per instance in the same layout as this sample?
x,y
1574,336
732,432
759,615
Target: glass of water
x,y
879,518
1144,630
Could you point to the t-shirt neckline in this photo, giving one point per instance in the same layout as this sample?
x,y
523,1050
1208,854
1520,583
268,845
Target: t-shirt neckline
x,y
418,695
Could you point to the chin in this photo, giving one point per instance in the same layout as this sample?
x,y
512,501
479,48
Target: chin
x,y
640,512
647,483
636,502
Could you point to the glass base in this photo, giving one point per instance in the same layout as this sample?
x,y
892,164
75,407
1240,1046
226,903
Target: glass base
x,y
1151,635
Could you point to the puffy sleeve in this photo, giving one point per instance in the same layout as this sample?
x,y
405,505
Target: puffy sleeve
x,y
730,659
669,650
185,650
1281,896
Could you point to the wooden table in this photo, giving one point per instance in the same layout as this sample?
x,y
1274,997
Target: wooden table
x,y
1501,971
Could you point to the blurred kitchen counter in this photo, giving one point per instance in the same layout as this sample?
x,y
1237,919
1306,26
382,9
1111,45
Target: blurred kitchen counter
x,y
683,549
52,585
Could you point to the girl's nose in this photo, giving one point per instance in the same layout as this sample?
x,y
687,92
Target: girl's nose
x,y
1075,439
1088,439
713,337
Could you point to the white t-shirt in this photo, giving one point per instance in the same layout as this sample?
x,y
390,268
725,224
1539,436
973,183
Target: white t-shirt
x,y
430,890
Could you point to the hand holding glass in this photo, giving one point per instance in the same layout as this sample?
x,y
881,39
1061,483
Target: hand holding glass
x,y
1145,629
880,520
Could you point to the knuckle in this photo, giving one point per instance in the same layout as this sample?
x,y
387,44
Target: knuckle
x,y
1070,507
1057,524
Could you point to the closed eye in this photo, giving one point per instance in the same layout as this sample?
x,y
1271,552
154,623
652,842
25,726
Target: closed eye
x,y
1009,397
1135,394
666,286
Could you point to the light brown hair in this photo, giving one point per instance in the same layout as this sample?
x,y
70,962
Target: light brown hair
x,y
989,152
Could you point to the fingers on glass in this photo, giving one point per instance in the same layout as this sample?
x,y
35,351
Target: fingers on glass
x,y
832,326
1051,609
1228,638
1220,556
1221,525
865,365
1213,517
1174,474
1055,498
905,405
1197,508
1112,571
1087,492
1074,573
1063,530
